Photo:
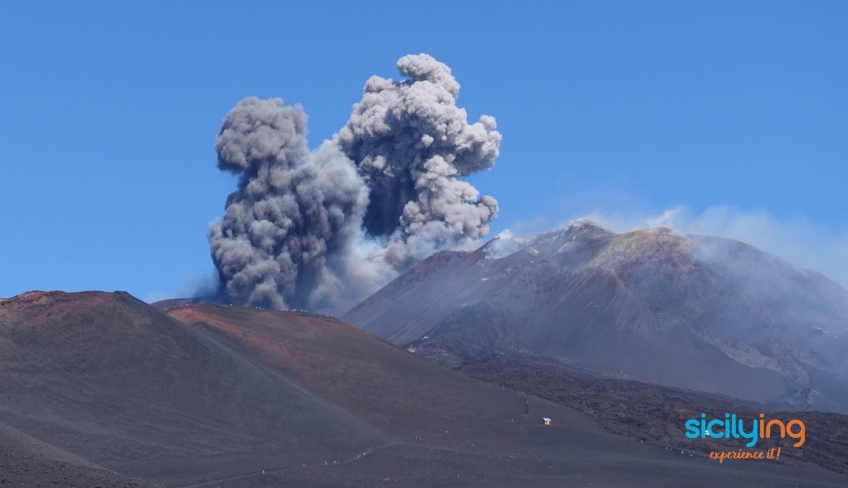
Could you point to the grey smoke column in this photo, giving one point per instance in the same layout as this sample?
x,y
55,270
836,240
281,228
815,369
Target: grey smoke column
x,y
321,229
291,209
410,142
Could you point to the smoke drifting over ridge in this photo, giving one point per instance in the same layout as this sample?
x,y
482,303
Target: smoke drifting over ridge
x,y
318,229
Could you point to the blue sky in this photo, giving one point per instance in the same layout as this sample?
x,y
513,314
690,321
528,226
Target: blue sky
x,y
109,110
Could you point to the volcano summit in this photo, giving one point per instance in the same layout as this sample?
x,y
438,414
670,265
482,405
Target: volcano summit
x,y
695,312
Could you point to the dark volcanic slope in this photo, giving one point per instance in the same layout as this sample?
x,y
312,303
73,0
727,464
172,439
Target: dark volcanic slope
x,y
109,378
388,387
658,413
246,398
26,462
687,311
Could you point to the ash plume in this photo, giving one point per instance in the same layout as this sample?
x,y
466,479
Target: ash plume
x,y
322,229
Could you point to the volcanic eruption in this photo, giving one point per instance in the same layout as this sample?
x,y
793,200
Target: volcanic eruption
x,y
323,228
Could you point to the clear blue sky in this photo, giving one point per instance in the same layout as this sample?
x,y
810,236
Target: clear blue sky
x,y
108,113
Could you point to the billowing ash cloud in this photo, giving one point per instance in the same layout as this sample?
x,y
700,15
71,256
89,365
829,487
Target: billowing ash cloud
x,y
321,229
410,141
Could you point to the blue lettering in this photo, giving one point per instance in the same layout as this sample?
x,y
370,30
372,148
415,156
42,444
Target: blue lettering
x,y
749,435
693,430
712,424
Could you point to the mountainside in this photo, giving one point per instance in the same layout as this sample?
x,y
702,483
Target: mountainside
x,y
688,311
235,398
387,387
26,462
112,380
652,412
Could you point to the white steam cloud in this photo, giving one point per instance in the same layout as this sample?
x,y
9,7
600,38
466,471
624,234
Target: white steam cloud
x,y
321,229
